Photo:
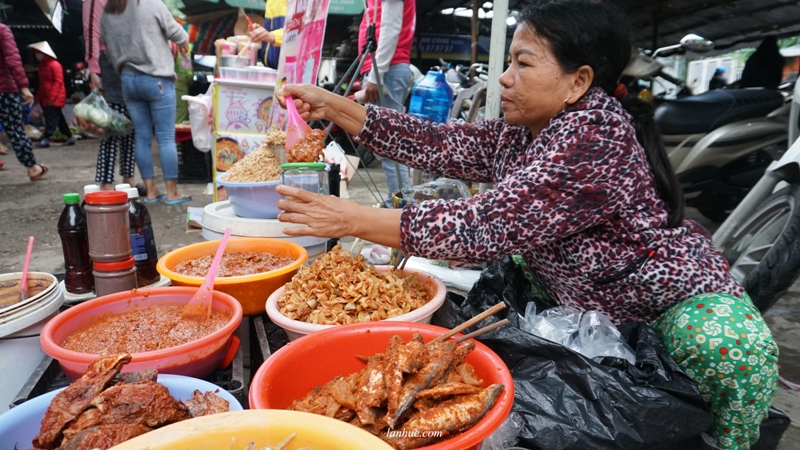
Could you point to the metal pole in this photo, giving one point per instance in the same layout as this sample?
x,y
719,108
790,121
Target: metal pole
x,y
497,55
474,44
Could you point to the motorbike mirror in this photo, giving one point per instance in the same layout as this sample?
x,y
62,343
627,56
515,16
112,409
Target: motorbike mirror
x,y
696,43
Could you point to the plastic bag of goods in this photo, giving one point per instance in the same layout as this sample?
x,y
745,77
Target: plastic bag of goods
x,y
94,116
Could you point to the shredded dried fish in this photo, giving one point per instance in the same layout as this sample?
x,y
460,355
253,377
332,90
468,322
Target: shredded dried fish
x,y
257,166
339,289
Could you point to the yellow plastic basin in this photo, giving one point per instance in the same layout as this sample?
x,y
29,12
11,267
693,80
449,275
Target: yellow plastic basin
x,y
251,291
266,427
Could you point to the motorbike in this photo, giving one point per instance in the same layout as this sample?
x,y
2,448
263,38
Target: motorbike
x,y
719,142
469,87
759,237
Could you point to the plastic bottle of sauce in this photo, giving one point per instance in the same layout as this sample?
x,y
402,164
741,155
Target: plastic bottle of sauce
x,y
143,243
108,226
75,245
112,277
86,189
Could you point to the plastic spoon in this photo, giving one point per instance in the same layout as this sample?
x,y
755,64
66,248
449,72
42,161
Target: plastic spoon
x,y
199,307
23,288
297,127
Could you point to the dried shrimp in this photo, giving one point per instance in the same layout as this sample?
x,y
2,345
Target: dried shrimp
x,y
339,289
257,166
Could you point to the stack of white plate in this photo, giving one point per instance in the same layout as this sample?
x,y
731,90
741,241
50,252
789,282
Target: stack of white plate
x,y
219,216
20,325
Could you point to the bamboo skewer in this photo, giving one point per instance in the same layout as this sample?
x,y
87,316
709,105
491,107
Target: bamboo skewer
x,y
480,331
403,265
471,322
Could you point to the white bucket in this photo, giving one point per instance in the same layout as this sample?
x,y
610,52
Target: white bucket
x,y
219,216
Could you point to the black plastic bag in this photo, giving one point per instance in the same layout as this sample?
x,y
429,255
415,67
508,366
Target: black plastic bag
x,y
568,401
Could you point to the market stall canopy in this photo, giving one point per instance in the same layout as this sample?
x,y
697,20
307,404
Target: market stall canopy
x,y
730,24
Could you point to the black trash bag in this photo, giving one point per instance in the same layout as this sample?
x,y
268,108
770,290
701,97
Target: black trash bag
x,y
568,401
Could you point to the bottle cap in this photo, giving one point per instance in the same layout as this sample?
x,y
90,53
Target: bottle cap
x,y
319,167
116,265
91,188
132,192
106,198
121,186
72,199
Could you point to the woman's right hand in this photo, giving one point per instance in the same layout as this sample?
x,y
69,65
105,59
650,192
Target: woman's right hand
x,y
27,97
95,82
311,102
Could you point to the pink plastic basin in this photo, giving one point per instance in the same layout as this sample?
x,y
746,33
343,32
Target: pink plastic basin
x,y
313,360
195,359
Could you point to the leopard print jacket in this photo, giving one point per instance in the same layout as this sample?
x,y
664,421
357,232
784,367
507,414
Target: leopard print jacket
x,y
578,202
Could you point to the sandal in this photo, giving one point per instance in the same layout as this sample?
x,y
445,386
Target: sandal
x,y
44,171
155,200
3,150
184,199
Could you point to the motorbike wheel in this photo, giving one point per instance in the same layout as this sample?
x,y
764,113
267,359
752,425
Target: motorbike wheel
x,y
764,252
366,156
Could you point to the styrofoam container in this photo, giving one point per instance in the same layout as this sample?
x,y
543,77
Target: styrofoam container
x,y
219,216
252,200
296,329
33,278
20,425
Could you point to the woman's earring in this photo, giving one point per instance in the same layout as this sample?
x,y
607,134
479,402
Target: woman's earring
x,y
566,100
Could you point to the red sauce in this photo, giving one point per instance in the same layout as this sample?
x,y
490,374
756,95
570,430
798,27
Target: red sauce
x,y
234,264
142,330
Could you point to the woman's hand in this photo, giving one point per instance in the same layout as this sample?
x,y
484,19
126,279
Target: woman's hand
x,y
95,82
311,102
260,34
27,97
324,215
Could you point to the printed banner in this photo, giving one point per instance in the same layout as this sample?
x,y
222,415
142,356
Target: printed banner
x,y
301,50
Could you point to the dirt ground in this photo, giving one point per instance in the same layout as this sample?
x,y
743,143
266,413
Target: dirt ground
x,y
32,209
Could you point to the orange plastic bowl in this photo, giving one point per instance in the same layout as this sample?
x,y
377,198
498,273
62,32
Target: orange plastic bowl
x,y
251,291
313,360
195,359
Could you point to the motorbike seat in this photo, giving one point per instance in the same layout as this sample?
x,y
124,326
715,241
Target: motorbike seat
x,y
713,109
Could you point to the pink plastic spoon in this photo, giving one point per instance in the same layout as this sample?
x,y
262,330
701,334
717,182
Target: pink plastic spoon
x,y
297,128
23,288
199,307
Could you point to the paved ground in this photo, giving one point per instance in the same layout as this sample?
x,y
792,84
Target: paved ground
x,y
32,208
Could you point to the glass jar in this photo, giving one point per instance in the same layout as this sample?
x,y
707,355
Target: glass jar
x,y
108,226
312,177
112,277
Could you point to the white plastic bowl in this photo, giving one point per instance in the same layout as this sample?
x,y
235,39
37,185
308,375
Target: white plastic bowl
x,y
20,425
297,329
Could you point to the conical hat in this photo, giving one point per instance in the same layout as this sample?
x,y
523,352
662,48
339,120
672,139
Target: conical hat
x,y
43,47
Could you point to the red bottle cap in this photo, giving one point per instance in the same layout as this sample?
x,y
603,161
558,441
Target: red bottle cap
x,y
106,198
116,265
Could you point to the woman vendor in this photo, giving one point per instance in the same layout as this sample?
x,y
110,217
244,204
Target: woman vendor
x,y
583,190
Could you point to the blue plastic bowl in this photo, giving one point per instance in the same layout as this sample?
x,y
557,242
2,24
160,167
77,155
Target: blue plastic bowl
x,y
18,426
252,200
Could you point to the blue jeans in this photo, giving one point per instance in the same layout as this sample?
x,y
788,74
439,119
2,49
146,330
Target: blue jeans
x,y
151,103
396,81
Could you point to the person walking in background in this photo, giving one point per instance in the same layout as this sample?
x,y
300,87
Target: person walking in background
x,y
136,35
51,94
271,34
718,81
394,31
764,68
13,84
110,86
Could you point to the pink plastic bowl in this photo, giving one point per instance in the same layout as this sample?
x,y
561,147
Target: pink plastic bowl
x,y
195,359
296,329
300,366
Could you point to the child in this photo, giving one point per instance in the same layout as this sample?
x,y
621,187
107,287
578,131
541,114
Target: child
x,y
51,94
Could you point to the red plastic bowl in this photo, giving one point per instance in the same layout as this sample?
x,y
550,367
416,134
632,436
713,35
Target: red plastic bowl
x,y
313,360
195,359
